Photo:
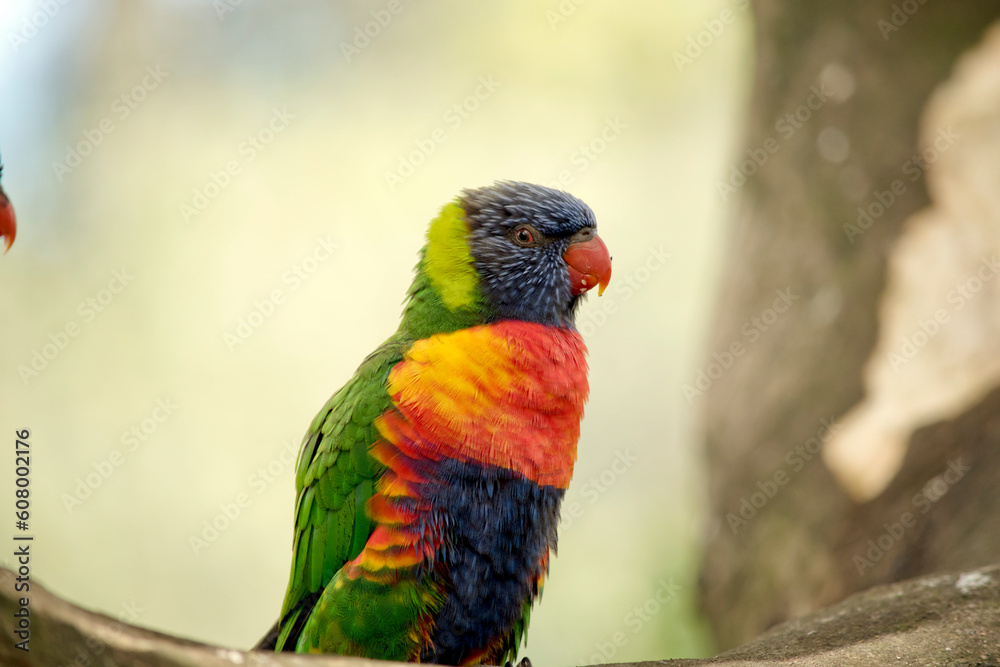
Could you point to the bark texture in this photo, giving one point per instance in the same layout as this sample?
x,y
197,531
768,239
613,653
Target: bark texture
x,y
940,620
856,96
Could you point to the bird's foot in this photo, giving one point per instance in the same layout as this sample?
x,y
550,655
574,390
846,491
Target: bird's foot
x,y
524,663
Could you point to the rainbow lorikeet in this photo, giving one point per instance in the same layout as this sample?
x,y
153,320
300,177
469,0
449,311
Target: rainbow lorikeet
x,y
8,223
429,485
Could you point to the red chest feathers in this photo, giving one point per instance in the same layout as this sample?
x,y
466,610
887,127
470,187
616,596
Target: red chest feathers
x,y
509,394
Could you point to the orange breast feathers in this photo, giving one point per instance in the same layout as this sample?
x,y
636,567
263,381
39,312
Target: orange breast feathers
x,y
509,394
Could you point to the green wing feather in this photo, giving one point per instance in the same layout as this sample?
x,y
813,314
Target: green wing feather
x,y
335,476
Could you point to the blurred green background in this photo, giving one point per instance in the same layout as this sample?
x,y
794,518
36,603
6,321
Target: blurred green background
x,y
223,201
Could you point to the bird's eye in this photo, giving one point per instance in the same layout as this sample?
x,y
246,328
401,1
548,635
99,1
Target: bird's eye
x,y
524,235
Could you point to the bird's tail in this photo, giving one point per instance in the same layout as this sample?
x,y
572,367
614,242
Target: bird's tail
x,y
270,638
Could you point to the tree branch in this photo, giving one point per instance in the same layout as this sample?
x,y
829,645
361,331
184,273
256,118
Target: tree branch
x,y
938,620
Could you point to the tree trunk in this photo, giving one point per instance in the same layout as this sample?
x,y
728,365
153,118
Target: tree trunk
x,y
852,421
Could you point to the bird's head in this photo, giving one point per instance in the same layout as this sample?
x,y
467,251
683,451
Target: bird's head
x,y
516,251
8,224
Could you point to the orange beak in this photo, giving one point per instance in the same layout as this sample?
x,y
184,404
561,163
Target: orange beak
x,y
8,223
589,264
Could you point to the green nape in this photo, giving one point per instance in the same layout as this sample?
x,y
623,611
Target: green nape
x,y
445,294
447,261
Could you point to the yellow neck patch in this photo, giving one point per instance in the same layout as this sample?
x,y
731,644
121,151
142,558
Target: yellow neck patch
x,y
447,261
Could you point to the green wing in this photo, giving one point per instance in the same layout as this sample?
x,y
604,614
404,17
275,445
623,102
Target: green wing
x,y
334,479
